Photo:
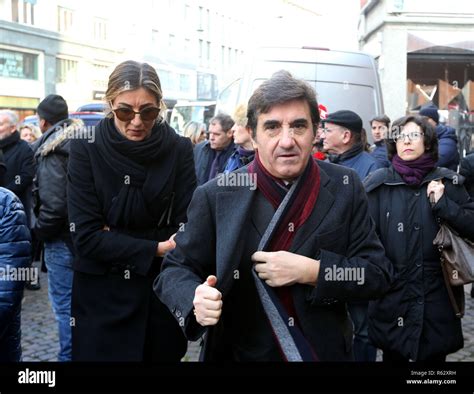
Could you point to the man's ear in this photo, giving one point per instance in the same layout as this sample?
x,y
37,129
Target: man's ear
x,y
346,138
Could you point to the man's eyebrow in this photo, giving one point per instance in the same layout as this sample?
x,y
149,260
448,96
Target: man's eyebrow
x,y
299,121
271,122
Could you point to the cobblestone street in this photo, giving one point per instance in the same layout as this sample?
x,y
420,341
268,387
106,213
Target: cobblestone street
x,y
40,336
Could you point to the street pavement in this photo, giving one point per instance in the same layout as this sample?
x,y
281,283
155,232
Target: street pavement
x,y
40,334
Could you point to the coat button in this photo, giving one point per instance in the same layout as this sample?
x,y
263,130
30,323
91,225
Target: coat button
x,y
417,193
418,265
420,301
416,226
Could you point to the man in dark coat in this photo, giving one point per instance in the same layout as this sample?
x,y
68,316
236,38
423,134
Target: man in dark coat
x,y
19,161
52,224
210,156
447,139
342,135
279,243
380,126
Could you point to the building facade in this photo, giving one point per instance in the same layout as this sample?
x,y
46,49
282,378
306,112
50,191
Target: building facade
x,y
425,53
69,47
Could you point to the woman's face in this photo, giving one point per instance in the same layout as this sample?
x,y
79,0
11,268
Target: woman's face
x,y
202,136
27,135
137,100
410,142
241,134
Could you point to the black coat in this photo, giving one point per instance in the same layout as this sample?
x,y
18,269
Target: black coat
x,y
339,228
49,191
20,170
203,155
415,318
467,170
112,298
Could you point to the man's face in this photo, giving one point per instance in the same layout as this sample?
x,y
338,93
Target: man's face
x,y
379,130
284,139
335,138
219,139
6,128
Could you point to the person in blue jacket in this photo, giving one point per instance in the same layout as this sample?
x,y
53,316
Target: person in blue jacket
x,y
447,139
15,249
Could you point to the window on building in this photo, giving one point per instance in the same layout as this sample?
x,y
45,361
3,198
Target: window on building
x,y
172,41
15,64
65,20
66,70
201,19
165,79
187,12
23,11
184,83
201,52
100,29
155,37
187,46
100,76
208,53
15,13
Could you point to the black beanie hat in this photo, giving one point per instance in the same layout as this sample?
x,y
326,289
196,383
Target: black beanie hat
x,y
53,109
431,111
348,119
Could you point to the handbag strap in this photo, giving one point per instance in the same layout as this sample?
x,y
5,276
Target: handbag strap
x,y
458,311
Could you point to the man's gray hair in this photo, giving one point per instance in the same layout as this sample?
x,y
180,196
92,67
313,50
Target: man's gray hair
x,y
12,116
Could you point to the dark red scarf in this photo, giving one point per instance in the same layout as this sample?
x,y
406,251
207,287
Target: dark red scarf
x,y
299,208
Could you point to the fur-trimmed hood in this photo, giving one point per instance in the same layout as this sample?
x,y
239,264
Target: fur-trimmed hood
x,y
58,136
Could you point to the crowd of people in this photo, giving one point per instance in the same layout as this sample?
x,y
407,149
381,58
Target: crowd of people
x,y
322,250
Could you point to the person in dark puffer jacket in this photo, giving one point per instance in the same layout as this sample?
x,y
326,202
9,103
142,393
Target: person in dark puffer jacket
x,y
15,249
447,139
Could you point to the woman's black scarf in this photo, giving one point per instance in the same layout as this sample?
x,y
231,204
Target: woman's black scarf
x,y
145,167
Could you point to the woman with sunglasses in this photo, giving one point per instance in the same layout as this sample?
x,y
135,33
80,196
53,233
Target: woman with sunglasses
x,y
128,191
415,320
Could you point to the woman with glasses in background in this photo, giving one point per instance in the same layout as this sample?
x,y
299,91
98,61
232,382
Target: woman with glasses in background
x,y
415,320
128,191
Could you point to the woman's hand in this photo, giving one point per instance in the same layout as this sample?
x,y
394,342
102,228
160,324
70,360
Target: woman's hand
x,y
166,246
437,188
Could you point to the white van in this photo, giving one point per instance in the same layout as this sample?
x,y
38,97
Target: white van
x,y
342,80
186,111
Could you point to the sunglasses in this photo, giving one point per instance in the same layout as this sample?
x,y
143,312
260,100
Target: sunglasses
x,y
127,114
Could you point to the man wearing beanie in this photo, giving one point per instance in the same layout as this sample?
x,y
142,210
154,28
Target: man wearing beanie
x,y
18,158
52,226
342,135
447,139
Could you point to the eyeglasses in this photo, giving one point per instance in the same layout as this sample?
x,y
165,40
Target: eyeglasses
x,y
127,114
413,136
325,130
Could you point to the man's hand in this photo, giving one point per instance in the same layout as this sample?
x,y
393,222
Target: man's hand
x,y
166,246
284,268
207,302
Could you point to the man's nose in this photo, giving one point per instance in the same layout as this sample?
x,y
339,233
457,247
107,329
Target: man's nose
x,y
287,140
